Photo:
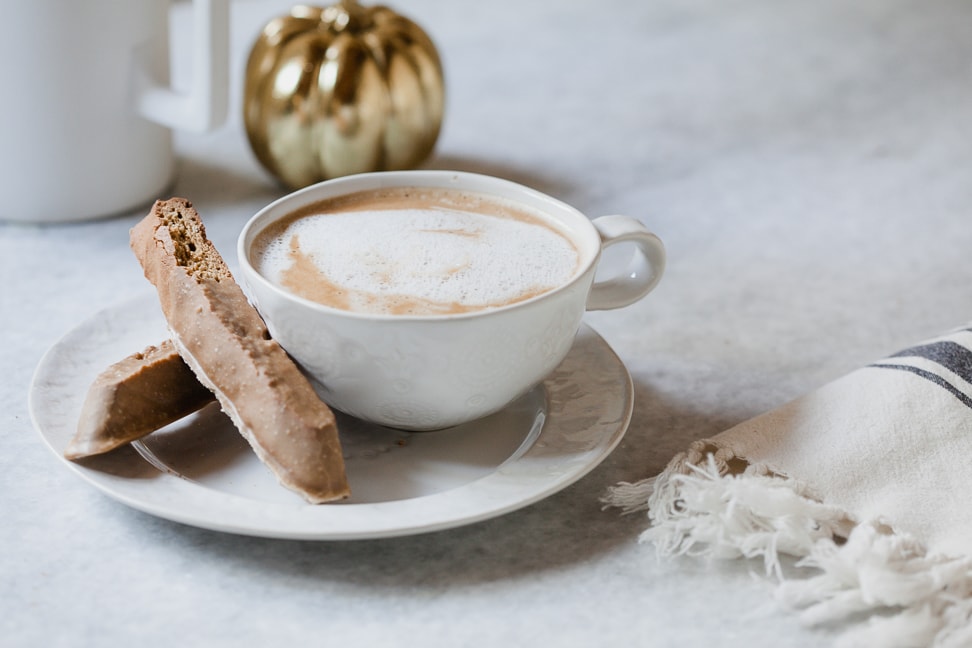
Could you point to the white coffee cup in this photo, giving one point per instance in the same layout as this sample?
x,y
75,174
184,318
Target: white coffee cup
x,y
430,372
87,107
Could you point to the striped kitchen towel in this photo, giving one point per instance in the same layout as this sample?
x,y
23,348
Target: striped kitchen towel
x,y
867,480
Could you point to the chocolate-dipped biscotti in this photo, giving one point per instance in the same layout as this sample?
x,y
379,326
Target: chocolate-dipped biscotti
x,y
134,397
225,342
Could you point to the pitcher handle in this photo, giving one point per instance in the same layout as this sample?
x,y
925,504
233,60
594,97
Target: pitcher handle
x,y
204,106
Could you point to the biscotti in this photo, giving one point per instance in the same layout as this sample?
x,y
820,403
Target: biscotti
x,y
227,345
134,397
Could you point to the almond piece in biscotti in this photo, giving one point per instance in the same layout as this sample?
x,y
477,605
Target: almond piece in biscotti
x,y
227,345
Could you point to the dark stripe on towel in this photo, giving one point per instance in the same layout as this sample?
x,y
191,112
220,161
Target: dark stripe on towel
x,y
935,378
951,355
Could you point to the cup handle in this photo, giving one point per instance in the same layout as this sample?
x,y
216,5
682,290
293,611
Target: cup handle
x,y
204,107
644,269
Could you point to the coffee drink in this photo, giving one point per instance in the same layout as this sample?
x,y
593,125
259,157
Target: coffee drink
x,y
416,267
416,251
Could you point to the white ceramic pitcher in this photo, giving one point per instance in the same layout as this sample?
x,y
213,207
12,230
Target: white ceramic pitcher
x,y
86,109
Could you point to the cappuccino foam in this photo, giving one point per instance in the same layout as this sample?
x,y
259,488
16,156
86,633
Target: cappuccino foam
x,y
415,252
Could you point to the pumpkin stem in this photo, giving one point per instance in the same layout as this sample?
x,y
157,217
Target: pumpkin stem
x,y
347,15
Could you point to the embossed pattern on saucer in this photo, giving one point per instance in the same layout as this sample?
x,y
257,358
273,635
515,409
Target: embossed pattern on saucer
x,y
200,472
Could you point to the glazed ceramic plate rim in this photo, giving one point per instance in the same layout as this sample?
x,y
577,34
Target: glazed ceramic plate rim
x,y
579,431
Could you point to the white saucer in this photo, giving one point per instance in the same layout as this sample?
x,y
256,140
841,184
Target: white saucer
x,y
199,471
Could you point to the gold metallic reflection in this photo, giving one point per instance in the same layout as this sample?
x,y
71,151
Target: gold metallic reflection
x,y
331,91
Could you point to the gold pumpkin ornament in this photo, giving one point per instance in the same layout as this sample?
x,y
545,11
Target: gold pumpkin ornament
x,y
343,89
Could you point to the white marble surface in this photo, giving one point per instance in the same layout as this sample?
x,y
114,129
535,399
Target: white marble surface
x,y
806,163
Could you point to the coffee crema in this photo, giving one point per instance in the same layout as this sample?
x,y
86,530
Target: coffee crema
x,y
415,251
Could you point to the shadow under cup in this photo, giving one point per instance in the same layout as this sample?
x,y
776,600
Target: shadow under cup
x,y
426,372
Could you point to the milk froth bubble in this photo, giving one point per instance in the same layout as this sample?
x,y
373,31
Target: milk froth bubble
x,y
406,251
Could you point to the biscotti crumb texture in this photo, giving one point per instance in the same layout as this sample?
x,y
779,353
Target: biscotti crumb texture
x,y
227,344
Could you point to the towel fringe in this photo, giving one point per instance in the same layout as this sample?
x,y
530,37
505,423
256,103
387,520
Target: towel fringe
x,y
707,503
